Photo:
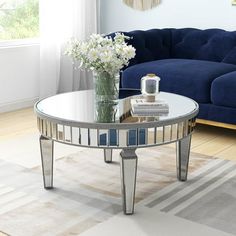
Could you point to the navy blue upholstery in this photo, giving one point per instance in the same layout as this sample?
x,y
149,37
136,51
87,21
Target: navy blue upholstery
x,y
223,90
124,93
151,44
212,44
200,64
209,111
191,78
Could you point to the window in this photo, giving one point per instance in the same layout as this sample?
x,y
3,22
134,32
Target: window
x,y
19,19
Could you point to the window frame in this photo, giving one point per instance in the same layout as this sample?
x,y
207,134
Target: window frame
x,y
19,42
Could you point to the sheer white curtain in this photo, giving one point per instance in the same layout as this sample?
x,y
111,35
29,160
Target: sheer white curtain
x,y
60,21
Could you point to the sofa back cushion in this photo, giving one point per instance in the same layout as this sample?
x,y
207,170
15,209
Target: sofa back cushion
x,y
211,45
150,45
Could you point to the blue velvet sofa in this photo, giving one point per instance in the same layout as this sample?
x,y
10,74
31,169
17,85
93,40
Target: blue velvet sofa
x,y
200,64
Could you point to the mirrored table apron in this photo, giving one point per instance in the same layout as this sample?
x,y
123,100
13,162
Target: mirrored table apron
x,y
72,118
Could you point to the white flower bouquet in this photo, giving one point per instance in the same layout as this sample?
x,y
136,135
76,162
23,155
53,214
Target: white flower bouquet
x,y
102,53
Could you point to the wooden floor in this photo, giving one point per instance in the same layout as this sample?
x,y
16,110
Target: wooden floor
x,y
208,140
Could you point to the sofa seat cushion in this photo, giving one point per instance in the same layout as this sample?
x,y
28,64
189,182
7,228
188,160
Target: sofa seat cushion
x,y
223,90
213,112
191,78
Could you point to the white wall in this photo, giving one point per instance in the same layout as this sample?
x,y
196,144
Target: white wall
x,y
170,13
19,77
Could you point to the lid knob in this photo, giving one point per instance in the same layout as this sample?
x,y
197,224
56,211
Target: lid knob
x,y
151,75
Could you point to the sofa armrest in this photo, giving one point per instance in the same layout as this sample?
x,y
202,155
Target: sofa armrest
x,y
223,90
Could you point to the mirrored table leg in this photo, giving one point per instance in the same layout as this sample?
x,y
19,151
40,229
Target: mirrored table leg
x,y
46,148
128,160
108,155
182,157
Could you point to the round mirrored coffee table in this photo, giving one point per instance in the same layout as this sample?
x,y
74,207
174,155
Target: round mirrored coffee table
x,y
75,119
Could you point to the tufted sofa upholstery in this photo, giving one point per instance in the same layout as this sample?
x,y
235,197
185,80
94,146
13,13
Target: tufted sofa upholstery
x,y
200,64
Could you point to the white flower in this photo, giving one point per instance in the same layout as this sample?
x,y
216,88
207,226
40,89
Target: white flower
x,y
83,48
106,56
129,51
93,55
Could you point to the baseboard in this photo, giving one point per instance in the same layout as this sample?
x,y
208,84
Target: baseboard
x,y
19,104
218,124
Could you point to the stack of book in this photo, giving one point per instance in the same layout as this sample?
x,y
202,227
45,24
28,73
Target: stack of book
x,y
140,107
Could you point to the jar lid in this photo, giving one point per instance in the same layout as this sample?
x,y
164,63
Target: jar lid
x,y
151,75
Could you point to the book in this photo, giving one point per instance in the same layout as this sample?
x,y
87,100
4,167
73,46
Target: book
x,y
144,105
149,114
141,106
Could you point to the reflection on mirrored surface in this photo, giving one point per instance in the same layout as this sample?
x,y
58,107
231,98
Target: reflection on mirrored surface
x,y
81,107
105,111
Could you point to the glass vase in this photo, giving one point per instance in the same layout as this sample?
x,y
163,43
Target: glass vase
x,y
106,88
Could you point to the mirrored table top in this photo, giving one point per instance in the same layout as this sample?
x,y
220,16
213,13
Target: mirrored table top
x,y
80,108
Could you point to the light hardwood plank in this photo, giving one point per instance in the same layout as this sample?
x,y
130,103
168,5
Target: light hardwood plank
x,y
228,154
217,124
215,146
